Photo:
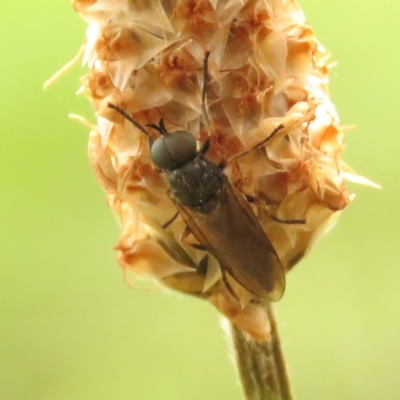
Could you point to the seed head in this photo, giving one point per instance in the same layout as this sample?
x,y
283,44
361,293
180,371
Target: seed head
x,y
265,68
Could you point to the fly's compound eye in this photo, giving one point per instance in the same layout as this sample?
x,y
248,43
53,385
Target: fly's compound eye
x,y
173,150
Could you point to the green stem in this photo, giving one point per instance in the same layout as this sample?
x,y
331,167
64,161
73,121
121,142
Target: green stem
x,y
261,365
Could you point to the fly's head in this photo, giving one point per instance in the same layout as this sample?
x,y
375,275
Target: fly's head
x,y
193,180
172,150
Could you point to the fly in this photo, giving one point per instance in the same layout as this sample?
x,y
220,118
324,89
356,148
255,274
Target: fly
x,y
214,211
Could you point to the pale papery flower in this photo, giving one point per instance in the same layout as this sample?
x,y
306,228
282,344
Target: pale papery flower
x,y
265,68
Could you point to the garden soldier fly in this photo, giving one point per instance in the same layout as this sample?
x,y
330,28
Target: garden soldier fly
x,y
215,212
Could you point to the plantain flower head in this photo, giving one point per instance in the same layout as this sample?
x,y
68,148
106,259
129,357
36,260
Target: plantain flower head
x,y
265,69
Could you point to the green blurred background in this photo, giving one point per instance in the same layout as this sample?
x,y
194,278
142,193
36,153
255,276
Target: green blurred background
x,y
70,328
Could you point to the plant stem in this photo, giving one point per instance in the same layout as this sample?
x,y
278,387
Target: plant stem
x,y
261,365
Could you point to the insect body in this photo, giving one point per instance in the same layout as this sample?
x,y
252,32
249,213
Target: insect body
x,y
216,213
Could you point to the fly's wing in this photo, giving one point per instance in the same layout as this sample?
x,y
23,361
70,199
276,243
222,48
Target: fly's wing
x,y
232,234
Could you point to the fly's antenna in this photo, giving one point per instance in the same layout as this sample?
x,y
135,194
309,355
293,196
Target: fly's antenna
x,y
129,118
160,127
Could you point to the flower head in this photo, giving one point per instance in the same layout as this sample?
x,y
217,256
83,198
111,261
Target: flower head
x,y
265,69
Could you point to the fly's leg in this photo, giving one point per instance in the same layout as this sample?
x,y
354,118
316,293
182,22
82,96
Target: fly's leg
x,y
166,224
203,265
288,221
224,163
297,257
204,111
257,201
184,235
228,285
206,77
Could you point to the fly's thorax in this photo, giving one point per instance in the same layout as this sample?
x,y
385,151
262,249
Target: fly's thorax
x,y
196,184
